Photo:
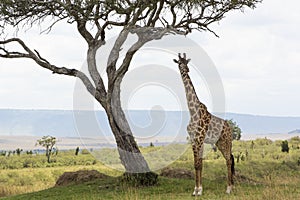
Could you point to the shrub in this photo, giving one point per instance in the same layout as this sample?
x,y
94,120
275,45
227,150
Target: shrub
x,y
295,139
285,146
151,144
85,151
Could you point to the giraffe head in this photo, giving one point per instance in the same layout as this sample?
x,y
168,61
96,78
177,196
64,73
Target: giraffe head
x,y
182,63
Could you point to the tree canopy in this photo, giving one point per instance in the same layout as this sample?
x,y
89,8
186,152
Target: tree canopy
x,y
179,15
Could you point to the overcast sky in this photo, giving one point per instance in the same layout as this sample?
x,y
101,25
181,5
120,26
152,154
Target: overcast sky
x,y
257,57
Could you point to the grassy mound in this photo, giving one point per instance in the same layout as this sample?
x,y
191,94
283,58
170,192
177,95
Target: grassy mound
x,y
177,173
79,177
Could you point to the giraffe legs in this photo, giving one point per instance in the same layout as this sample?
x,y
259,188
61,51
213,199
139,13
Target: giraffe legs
x,y
198,169
225,147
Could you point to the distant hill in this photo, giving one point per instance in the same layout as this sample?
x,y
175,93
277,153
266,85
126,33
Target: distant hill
x,y
257,124
294,131
66,123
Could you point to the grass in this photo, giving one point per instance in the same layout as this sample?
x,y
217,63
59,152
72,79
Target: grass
x,y
263,172
18,181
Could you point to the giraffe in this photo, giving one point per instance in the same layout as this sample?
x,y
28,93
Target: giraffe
x,y
203,128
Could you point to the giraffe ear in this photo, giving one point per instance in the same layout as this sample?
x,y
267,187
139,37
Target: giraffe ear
x,y
188,60
176,61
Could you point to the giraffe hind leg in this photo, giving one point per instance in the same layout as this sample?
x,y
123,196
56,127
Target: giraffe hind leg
x,y
225,148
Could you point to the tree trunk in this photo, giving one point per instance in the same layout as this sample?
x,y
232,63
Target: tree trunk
x,y
136,167
130,155
137,171
129,152
48,153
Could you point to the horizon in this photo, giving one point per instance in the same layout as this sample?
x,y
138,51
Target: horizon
x,y
102,110
70,143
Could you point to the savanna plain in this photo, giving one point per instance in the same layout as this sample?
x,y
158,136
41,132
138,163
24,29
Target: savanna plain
x,y
263,171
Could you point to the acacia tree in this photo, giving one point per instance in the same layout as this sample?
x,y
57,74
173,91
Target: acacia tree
x,y
48,142
147,19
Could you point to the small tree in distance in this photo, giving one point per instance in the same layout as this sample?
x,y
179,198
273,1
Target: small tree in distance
x,y
151,144
48,142
18,151
237,132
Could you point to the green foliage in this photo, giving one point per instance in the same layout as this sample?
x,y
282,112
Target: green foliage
x,y
285,146
18,151
29,152
237,132
2,153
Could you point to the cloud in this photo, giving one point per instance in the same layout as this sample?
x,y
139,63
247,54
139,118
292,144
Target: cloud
x,y
257,57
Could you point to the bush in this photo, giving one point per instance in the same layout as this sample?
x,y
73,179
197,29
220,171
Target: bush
x,y
295,139
285,146
85,152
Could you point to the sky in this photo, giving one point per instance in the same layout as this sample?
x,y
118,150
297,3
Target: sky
x,y
257,57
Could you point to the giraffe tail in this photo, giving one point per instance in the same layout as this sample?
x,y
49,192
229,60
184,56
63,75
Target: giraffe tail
x,y
232,165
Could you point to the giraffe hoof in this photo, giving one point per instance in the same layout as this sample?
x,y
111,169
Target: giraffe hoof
x,y
228,190
197,191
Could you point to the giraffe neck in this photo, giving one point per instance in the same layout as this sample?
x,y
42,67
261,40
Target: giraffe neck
x,y
191,96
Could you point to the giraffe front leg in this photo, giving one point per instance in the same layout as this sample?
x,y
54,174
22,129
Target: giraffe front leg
x,y
198,171
198,186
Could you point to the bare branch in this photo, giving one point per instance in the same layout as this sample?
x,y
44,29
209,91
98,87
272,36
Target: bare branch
x,y
114,55
144,35
46,64
40,57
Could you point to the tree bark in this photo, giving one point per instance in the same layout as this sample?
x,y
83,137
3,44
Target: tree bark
x,y
129,152
137,171
130,155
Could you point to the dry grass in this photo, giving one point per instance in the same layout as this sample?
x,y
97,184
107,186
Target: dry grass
x,y
266,173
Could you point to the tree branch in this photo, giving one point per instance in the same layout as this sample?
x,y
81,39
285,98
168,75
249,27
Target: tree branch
x,y
114,55
46,64
144,35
